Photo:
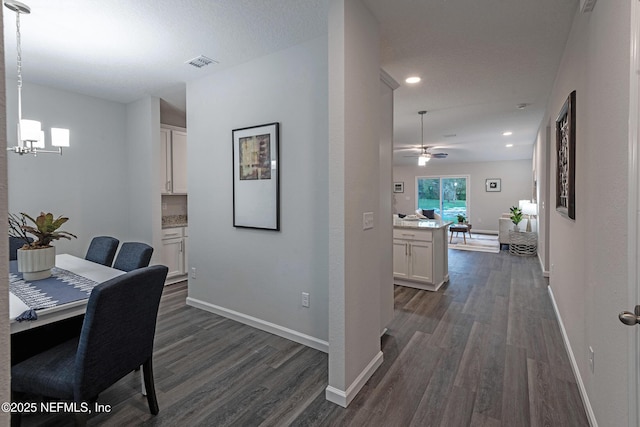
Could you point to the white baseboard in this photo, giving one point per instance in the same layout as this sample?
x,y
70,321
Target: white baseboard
x,y
574,365
478,231
343,398
281,331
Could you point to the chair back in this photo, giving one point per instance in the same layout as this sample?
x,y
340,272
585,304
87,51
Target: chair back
x,y
133,255
118,329
15,243
102,250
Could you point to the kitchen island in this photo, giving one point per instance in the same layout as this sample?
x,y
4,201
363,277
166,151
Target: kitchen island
x,y
420,253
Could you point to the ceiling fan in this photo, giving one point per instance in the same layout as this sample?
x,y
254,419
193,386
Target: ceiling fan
x,y
425,151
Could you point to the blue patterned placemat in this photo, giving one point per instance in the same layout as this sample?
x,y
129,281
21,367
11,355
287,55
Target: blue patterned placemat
x,y
61,288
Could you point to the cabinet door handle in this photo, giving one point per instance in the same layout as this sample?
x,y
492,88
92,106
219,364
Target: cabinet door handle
x,y
409,244
182,246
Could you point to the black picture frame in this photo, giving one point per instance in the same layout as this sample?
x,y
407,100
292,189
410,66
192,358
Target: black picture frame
x,y
256,177
566,158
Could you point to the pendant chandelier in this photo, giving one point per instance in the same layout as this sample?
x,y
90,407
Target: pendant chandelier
x,y
31,138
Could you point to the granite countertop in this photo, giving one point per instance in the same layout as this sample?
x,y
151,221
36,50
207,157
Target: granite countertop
x,y
170,221
421,223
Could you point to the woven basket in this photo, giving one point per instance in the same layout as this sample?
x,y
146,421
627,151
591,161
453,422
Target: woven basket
x,y
523,243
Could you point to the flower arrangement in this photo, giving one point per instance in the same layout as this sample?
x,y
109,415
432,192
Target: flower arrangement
x,y
461,218
44,228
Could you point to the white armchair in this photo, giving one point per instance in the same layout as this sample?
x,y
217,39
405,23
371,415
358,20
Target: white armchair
x,y
504,225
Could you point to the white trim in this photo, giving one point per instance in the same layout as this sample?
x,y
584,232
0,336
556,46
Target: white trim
x,y
343,398
388,80
263,325
633,216
574,365
172,127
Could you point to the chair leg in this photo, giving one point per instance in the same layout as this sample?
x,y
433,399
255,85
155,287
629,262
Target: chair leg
x,y
80,419
147,371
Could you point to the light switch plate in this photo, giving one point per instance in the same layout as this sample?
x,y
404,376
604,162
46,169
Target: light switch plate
x,y
367,220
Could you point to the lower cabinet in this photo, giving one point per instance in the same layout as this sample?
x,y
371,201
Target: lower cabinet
x,y
412,260
174,251
419,258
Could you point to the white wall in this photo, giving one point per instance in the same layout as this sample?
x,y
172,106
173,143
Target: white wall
x,y
588,256
259,273
354,188
385,174
485,207
5,370
89,182
142,161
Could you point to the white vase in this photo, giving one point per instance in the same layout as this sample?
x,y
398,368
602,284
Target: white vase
x,y
515,227
36,264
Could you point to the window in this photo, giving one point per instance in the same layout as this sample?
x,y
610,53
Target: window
x,y
447,196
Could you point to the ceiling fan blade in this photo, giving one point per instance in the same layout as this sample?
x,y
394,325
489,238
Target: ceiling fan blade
x,y
439,155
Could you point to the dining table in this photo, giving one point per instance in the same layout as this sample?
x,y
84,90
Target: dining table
x,y
63,295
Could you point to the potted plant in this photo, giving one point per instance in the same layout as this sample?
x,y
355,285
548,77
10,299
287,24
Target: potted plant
x,y
37,258
461,218
516,216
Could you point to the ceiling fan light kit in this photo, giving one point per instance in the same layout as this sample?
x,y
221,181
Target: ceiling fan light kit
x,y
425,151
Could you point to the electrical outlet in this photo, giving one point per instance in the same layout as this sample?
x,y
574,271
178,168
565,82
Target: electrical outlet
x,y
164,206
305,299
591,359
193,272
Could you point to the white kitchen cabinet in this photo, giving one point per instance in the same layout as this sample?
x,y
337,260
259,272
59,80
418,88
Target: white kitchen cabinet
x,y
174,251
419,257
173,155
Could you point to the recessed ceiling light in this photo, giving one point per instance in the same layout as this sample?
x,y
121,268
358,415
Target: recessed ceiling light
x,y
507,133
509,145
412,80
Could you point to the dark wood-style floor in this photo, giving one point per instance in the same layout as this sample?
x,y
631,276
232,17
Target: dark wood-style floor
x,y
485,350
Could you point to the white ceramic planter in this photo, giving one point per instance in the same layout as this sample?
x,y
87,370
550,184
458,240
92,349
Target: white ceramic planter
x,y
36,264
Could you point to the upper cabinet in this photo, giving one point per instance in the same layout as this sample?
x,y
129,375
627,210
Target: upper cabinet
x,y
173,149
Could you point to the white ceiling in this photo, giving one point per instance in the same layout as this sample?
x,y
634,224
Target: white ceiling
x,y
478,59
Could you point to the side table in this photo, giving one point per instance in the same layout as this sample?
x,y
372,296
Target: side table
x,y
460,228
523,243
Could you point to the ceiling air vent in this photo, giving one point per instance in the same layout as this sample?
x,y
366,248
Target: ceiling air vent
x,y
201,61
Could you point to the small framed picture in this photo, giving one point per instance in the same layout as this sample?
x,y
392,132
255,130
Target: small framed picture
x,y
398,187
492,184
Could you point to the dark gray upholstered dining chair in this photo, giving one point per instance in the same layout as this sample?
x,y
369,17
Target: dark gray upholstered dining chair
x,y
102,250
133,255
15,244
116,338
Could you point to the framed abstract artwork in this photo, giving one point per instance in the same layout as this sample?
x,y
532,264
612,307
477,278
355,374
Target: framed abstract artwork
x,y
566,158
398,187
493,185
256,177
